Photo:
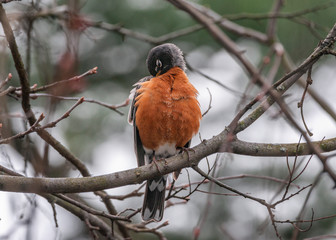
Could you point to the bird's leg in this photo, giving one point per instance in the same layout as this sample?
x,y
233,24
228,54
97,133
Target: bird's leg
x,y
156,164
186,150
182,149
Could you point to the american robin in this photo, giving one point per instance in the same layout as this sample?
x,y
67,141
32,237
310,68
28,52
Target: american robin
x,y
165,115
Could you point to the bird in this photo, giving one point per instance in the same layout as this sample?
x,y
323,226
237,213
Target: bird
x,y
165,115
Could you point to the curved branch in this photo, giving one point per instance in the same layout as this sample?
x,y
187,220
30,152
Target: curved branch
x,y
164,166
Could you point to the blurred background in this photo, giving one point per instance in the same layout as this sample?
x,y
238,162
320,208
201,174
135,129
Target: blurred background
x,y
58,48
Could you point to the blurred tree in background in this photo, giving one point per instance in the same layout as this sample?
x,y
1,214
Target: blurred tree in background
x,y
242,56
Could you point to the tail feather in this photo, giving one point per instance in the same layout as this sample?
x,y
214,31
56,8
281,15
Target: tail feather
x,y
153,205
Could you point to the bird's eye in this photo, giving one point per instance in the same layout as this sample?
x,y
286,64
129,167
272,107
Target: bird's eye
x,y
158,63
158,66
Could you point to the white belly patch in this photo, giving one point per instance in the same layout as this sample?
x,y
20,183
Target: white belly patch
x,y
165,150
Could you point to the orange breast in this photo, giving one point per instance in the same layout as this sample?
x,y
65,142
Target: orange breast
x,y
167,110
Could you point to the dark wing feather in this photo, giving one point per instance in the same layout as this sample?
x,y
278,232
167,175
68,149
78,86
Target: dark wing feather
x,y
187,145
138,148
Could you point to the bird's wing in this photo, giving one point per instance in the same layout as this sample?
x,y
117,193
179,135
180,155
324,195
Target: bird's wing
x,y
138,148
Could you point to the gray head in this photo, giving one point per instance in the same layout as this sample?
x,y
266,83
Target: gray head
x,y
164,57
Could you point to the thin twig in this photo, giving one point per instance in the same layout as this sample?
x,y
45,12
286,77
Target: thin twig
x,y
54,213
36,126
240,176
143,229
290,196
290,66
8,1
134,193
309,82
288,15
210,101
10,89
91,210
75,78
65,115
4,82
89,100
207,176
302,210
22,134
271,27
231,90
307,221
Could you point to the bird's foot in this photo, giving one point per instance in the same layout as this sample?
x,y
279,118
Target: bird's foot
x,y
154,161
186,150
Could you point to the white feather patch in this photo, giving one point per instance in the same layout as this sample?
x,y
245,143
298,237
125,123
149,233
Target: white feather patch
x,y
166,150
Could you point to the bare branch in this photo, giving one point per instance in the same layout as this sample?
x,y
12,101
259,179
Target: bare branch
x,y
7,91
292,149
137,175
231,90
76,78
109,106
65,115
207,176
142,228
52,204
22,134
210,101
271,28
91,210
8,1
288,15
309,81
231,26
8,78
287,61
183,186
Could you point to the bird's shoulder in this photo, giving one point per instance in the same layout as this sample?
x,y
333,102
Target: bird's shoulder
x,y
132,97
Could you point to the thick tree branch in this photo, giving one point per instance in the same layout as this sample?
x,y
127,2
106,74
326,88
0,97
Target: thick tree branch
x,y
138,175
18,65
277,150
